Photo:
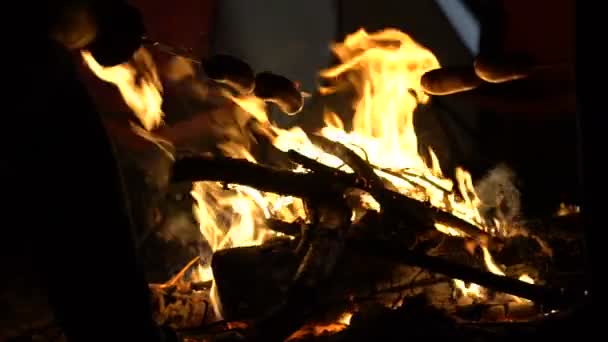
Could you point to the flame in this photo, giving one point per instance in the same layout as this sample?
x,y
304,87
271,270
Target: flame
x,y
345,318
526,278
384,70
492,267
322,329
234,215
138,83
471,291
567,209
230,218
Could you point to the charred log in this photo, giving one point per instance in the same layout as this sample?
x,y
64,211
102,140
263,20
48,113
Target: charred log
x,y
261,282
550,297
287,228
266,272
315,185
362,168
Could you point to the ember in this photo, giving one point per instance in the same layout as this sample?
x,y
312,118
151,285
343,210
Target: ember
x,y
343,212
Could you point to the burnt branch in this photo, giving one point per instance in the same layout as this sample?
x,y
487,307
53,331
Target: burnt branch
x,y
318,185
287,228
388,199
362,168
551,297
312,164
264,178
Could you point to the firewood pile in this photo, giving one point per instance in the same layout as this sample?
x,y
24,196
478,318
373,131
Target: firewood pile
x,y
382,271
378,244
375,243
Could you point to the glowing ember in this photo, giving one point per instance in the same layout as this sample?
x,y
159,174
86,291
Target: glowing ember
x,y
526,279
565,210
345,318
321,329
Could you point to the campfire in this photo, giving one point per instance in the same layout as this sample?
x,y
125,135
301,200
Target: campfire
x,y
336,231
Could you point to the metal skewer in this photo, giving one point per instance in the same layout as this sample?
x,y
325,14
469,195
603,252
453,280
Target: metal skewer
x,y
170,50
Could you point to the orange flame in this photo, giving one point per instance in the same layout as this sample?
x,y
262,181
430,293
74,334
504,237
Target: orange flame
x,y
138,83
384,69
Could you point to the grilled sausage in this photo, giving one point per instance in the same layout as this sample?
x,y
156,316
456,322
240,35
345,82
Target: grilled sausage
x,y
501,70
450,80
230,71
280,91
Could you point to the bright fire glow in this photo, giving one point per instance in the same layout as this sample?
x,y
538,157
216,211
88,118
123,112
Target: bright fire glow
x,y
565,210
321,329
138,83
384,69
345,318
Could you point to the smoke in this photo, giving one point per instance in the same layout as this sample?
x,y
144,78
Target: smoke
x,y
500,197
180,227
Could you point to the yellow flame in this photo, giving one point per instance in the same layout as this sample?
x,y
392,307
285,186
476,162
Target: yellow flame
x,y
490,264
471,291
138,83
345,318
492,267
384,70
321,329
565,209
234,215
526,278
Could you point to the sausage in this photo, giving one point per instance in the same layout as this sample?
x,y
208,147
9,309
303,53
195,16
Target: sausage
x,y
499,70
450,80
120,32
280,91
231,71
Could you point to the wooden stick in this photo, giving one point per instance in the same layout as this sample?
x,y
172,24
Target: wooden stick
x,y
176,278
362,168
551,297
315,185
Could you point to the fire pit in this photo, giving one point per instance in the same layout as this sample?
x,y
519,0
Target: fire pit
x,y
355,234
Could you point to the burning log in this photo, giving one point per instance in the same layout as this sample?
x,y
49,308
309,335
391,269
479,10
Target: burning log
x,y
266,272
551,297
362,169
290,229
261,282
317,185
312,164
324,250
389,199
324,185
239,171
